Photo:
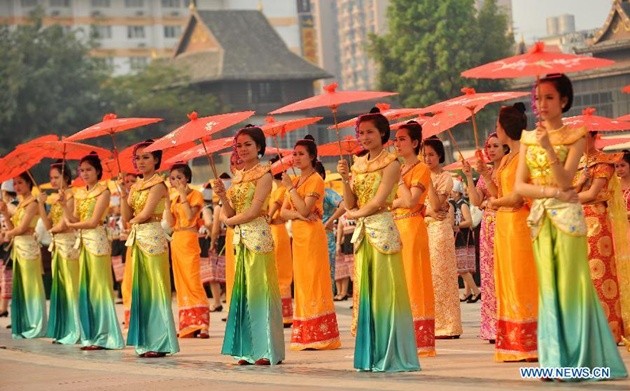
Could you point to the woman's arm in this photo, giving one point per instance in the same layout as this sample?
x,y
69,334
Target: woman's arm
x,y
328,224
43,214
391,175
218,187
155,195
349,199
61,225
30,211
466,217
263,188
563,174
70,213
289,214
591,194
168,214
407,197
102,203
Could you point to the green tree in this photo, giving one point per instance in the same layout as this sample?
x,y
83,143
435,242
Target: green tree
x,y
48,83
429,44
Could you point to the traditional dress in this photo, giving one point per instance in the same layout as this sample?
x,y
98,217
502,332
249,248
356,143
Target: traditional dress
x,y
99,324
282,252
417,264
572,328
515,275
28,303
332,199
63,322
314,320
385,338
344,262
464,240
254,323
192,302
151,324
488,327
448,319
601,252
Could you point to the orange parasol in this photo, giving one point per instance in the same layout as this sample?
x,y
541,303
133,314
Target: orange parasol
x,y
280,165
332,99
602,143
273,129
390,114
474,102
624,118
595,122
205,149
346,146
200,129
458,165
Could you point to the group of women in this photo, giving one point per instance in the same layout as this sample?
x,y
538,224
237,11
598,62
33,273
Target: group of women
x,y
405,273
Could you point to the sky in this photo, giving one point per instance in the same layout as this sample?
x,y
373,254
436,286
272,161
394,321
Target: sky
x,y
530,16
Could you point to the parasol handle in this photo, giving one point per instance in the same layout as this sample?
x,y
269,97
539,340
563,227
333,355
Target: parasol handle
x,y
334,113
210,159
116,152
475,130
63,161
275,138
455,144
32,178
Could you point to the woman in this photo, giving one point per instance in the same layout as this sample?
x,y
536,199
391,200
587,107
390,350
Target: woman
x,y
464,242
596,195
448,321
344,262
572,329
253,333
97,313
6,264
282,248
63,323
480,196
409,216
623,261
28,302
385,340
332,211
183,216
515,276
125,286
314,320
151,324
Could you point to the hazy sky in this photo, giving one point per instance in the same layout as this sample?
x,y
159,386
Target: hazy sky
x,y
530,15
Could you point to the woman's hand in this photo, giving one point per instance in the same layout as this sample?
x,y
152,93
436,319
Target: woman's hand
x,y
466,169
567,196
286,180
41,198
343,170
219,188
542,136
181,187
482,167
3,207
329,226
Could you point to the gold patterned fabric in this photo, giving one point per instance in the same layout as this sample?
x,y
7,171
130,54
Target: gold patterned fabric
x,y
95,241
56,210
20,211
85,201
139,195
600,166
255,234
567,217
64,243
379,228
150,237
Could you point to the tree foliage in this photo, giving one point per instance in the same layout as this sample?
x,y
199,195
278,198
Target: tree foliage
x,y
430,42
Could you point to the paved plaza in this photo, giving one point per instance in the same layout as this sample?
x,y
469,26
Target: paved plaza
x,y
464,364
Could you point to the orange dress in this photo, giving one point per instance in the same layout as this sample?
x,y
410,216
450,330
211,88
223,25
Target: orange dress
x,y
282,251
192,301
416,260
601,252
516,279
314,319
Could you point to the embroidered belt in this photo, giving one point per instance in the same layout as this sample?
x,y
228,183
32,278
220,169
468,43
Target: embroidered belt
x,y
413,214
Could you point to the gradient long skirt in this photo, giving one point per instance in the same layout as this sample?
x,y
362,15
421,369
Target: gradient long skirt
x,y
151,323
99,324
516,288
28,304
417,265
572,328
284,263
64,322
230,263
385,340
254,324
192,302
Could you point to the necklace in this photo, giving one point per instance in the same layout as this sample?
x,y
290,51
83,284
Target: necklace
x,y
376,157
404,170
300,182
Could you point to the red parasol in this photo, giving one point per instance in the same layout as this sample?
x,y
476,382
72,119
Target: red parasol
x,y
458,165
273,129
602,143
19,161
67,150
390,114
200,129
624,118
205,149
474,102
535,63
346,146
280,166
595,122
126,157
332,98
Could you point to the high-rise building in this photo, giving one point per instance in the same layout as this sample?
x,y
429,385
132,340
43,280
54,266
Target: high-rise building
x,y
132,32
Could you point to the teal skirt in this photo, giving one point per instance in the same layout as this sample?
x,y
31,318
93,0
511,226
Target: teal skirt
x,y
28,302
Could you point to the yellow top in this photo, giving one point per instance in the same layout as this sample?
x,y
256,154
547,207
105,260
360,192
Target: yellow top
x,y
56,210
241,193
367,176
85,201
195,199
565,216
313,186
418,176
20,211
139,195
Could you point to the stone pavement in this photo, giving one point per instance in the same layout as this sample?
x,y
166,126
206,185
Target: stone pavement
x,y
466,363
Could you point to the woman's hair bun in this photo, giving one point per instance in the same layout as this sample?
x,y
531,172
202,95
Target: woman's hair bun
x,y
309,137
375,110
520,106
